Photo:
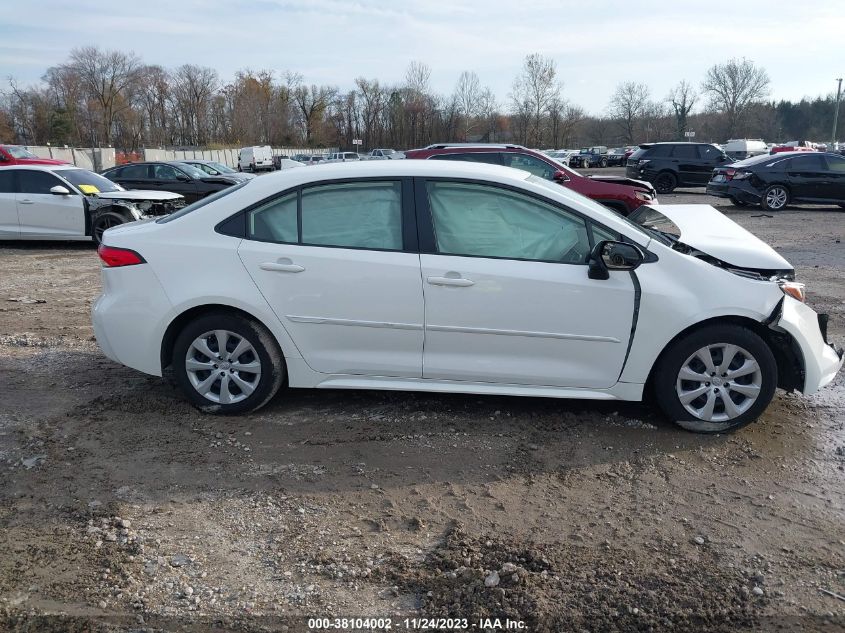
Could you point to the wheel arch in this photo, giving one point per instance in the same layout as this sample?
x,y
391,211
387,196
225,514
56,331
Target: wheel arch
x,y
182,319
788,356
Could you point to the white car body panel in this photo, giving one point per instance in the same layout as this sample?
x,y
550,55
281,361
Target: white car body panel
x,y
133,194
368,307
9,226
349,311
44,215
530,323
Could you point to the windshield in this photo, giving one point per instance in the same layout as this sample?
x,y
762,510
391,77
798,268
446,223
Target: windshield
x,y
558,189
199,204
223,169
192,171
88,182
19,152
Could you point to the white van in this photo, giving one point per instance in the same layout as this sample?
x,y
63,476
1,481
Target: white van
x,y
741,148
256,158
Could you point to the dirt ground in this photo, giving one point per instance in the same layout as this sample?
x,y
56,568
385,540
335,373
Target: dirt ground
x,y
123,508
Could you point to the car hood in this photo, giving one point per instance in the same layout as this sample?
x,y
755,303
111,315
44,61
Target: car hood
x,y
139,195
705,229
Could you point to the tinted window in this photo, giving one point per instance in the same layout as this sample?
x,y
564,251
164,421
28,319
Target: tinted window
x,y
487,221
275,221
834,163
709,152
164,172
685,151
36,181
357,215
132,172
658,151
7,180
807,163
492,158
530,164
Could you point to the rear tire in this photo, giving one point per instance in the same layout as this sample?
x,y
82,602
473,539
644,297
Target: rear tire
x,y
693,392
227,364
775,198
665,182
105,222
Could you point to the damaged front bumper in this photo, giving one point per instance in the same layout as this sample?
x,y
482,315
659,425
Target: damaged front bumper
x,y
822,360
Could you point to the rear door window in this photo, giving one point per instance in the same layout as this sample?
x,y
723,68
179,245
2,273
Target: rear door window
x,y
807,163
133,172
685,152
658,151
530,164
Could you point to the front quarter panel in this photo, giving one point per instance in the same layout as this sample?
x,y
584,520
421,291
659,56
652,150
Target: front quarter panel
x,y
821,362
679,291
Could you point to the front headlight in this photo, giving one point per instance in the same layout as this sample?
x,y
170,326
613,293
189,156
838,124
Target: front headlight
x,y
642,195
793,289
144,205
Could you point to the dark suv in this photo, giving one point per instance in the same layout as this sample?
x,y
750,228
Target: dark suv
x,y
620,194
670,165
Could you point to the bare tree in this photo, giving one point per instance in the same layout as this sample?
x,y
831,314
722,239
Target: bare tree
x,y
627,105
733,87
192,90
468,100
683,98
312,102
533,91
108,77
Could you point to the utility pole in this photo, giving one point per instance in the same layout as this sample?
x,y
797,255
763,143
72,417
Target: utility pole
x,y
836,112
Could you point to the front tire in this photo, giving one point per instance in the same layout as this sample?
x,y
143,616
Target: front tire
x,y
227,364
105,222
775,198
604,162
716,379
665,182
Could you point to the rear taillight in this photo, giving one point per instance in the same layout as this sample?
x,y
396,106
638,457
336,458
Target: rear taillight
x,y
114,257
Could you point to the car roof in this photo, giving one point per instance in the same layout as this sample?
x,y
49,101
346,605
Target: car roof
x,y
37,167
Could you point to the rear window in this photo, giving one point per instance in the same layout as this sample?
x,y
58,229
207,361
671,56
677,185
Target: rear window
x,y
658,151
199,204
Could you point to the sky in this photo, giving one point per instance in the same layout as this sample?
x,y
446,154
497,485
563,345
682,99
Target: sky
x,y
595,44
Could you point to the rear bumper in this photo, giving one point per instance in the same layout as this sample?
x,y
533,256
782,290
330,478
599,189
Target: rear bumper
x,y
742,192
822,361
127,317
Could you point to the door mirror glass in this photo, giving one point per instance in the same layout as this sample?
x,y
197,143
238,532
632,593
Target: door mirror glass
x,y
60,190
610,255
560,176
182,178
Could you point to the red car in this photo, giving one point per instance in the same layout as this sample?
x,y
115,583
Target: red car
x,y
17,155
620,194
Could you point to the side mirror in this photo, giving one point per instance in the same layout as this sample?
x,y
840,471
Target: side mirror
x,y
182,178
560,176
60,190
609,255
3,159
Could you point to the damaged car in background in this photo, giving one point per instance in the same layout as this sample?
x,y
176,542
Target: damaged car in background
x,y
56,202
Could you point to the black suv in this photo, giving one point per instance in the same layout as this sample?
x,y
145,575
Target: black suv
x,y
670,165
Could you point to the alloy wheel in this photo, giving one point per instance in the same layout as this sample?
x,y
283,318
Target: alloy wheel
x,y
776,198
223,366
104,225
719,382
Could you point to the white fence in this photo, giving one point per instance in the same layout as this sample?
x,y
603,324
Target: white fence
x,y
103,158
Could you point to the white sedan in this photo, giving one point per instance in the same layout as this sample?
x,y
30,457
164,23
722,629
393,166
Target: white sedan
x,y
457,277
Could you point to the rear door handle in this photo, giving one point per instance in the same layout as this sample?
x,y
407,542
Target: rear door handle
x,y
283,265
450,281
27,201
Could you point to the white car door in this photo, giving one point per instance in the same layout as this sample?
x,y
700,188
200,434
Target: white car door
x,y
507,296
44,214
337,278
9,227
